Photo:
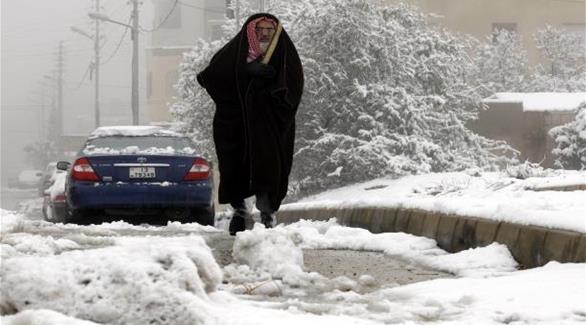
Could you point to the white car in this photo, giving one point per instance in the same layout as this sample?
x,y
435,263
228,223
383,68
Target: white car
x,y
29,178
54,205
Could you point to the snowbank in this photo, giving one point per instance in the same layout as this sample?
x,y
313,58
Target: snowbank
x,y
492,291
138,281
489,195
99,274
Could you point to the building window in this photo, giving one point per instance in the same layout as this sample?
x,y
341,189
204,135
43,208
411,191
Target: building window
x,y
498,27
229,10
169,14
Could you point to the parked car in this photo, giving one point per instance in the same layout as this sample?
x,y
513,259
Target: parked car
x,y
48,177
132,171
29,178
54,205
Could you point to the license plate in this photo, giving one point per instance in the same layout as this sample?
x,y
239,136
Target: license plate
x,y
142,172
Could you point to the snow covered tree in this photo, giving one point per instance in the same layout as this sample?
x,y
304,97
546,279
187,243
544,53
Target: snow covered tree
x,y
501,63
385,94
565,67
570,141
195,109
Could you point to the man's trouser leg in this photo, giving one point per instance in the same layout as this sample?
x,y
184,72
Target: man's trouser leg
x,y
263,204
239,216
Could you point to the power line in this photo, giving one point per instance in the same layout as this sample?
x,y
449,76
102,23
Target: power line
x,y
201,8
117,46
84,76
164,19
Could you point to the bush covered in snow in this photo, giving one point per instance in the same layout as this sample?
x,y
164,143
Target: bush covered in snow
x,y
565,61
385,94
570,142
501,64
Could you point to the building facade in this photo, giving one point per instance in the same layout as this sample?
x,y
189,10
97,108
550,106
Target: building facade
x,y
480,18
178,24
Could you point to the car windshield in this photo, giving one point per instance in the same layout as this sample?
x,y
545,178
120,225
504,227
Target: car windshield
x,y
139,145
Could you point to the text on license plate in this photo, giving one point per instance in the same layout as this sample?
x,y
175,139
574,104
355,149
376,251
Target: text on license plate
x,y
142,172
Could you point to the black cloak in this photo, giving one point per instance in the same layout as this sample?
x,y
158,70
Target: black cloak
x,y
254,122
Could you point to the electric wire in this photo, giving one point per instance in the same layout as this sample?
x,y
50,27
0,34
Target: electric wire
x,y
117,46
201,8
84,76
163,21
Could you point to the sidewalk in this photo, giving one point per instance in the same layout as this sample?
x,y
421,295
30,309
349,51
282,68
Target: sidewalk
x,y
533,218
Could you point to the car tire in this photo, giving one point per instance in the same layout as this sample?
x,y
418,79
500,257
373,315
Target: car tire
x,y
59,214
203,216
77,216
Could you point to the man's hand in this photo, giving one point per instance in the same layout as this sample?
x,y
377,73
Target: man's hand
x,y
259,70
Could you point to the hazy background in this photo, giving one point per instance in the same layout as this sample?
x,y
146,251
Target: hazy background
x,y
31,31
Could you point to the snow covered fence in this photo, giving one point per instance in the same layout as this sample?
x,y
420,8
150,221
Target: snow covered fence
x,y
530,245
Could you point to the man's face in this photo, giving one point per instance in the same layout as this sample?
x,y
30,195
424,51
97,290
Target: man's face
x,y
264,31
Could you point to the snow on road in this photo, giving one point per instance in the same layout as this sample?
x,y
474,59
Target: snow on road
x,y
122,274
485,195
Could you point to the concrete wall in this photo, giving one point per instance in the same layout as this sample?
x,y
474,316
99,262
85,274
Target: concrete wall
x,y
524,131
531,246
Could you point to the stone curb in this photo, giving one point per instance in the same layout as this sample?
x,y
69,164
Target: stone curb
x,y
531,246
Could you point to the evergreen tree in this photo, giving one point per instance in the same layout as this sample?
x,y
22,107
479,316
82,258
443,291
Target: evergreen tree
x,y
501,64
385,94
570,141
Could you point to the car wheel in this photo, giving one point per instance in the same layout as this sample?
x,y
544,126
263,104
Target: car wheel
x,y
77,216
205,216
45,212
58,214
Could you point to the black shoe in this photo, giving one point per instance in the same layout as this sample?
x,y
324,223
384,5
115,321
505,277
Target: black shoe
x,y
267,220
238,222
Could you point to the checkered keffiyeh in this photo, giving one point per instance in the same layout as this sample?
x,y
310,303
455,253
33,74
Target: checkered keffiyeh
x,y
254,50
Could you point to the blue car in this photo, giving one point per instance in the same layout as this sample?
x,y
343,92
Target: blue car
x,y
131,172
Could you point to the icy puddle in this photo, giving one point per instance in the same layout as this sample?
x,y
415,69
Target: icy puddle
x,y
385,270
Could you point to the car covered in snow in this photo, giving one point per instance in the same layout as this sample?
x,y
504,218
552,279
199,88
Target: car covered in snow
x,y
48,177
130,172
54,205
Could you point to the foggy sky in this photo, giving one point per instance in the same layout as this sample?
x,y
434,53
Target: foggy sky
x,y
31,31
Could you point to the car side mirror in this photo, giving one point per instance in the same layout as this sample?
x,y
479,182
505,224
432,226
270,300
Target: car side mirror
x,y
63,165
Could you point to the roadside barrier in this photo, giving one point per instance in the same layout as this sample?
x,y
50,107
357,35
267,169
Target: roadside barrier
x,y
530,245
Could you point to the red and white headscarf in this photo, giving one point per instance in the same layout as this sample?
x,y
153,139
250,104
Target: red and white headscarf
x,y
254,49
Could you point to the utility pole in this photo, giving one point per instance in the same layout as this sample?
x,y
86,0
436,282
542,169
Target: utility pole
x,y
134,32
97,69
52,131
134,29
261,5
96,63
59,117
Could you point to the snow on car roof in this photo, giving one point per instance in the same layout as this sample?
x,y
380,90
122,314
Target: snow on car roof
x,y
133,131
540,101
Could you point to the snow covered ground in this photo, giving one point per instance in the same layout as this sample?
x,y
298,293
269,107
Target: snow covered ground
x,y
118,273
486,195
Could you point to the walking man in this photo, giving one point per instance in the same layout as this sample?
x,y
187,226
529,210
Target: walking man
x,y
256,82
